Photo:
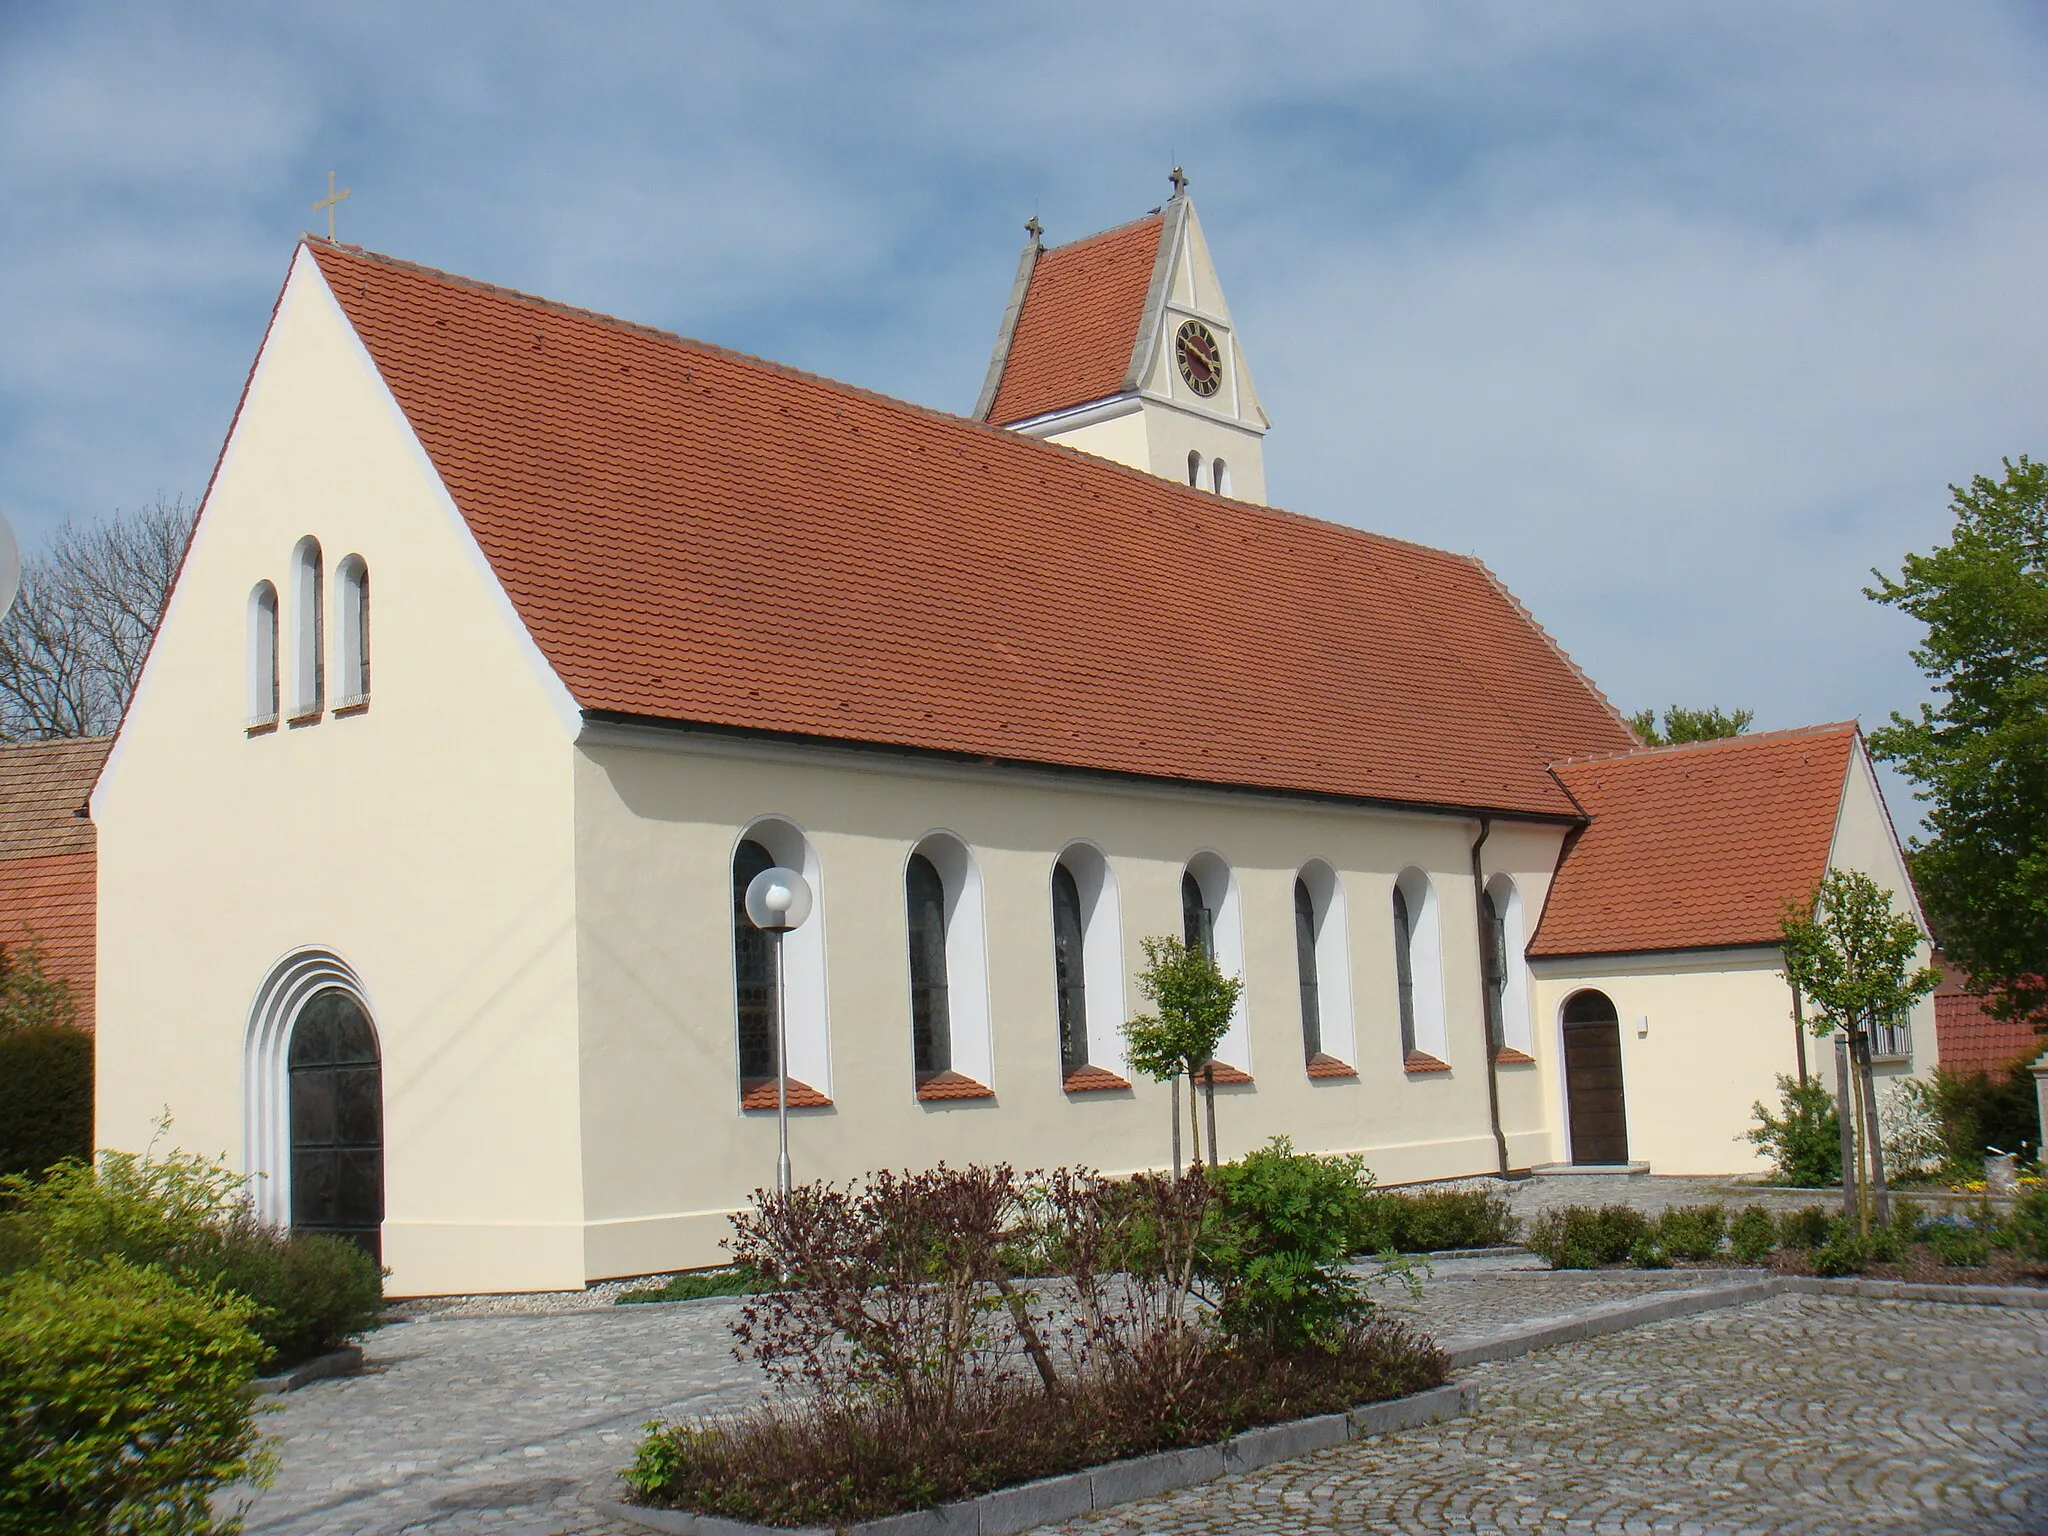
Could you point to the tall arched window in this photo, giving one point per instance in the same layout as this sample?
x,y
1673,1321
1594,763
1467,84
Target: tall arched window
x,y
309,664
931,1024
753,965
1493,967
352,579
1419,973
1305,966
1197,916
1211,922
1219,477
263,654
1088,978
1070,967
1194,468
1507,969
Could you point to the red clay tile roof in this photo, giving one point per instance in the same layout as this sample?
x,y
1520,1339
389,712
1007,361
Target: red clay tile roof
x,y
951,1085
759,1093
48,868
1969,1039
1695,847
694,536
1078,323
1088,1079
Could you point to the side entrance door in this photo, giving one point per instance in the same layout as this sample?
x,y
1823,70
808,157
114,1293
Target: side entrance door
x,y
337,1119
1592,1076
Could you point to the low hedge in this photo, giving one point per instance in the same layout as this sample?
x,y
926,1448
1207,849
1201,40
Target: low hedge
x,y
125,1400
45,1097
1429,1221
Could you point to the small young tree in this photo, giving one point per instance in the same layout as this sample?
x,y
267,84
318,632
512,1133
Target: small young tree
x,y
1682,724
1850,954
1193,1000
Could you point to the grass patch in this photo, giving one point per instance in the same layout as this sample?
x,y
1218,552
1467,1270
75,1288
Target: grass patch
x,y
697,1284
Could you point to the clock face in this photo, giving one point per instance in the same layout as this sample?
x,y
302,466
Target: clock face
x,y
1200,357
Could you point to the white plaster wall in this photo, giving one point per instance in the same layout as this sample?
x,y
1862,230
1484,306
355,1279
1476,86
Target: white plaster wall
x,y
1121,438
427,841
666,1152
1865,841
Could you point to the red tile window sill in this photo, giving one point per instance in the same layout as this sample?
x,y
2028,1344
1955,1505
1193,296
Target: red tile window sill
x,y
1321,1065
759,1093
1421,1061
1224,1073
940,1086
1094,1080
1508,1056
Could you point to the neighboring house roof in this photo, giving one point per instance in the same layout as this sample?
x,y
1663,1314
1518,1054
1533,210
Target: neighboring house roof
x,y
1968,1039
47,861
1072,339
1697,846
694,536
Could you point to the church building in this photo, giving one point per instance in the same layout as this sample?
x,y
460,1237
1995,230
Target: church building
x,y
513,640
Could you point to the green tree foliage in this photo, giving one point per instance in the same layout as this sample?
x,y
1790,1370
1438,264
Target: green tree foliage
x,y
1682,725
1279,1260
30,998
1980,754
1851,955
1192,1001
45,1066
126,1405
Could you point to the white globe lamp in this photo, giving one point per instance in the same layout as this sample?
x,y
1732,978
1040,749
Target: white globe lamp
x,y
778,900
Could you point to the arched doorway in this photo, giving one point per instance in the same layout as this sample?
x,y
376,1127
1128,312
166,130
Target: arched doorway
x,y
337,1121
1592,1077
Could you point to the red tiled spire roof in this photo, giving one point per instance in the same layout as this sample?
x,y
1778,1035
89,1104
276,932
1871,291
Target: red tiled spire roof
x,y
694,536
1079,322
1697,846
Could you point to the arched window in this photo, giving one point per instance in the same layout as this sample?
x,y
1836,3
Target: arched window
x,y
768,842
309,665
1505,969
263,654
951,1052
1418,972
931,1026
1087,952
1211,922
1219,475
1305,965
1194,468
352,579
1070,967
337,1121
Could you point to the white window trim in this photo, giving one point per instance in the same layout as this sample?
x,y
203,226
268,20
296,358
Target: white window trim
x,y
972,1046
1517,1023
1220,890
351,576
1425,962
806,1015
1102,953
265,692
266,1069
309,631
1333,959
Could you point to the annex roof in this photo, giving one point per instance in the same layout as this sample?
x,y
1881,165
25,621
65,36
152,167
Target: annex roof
x,y
48,862
1697,846
1073,335
43,790
1967,1036
694,536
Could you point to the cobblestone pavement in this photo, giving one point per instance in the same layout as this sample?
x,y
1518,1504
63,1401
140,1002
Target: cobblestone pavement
x,y
512,1426
1798,1416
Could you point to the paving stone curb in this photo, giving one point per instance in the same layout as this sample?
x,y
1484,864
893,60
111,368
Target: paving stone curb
x,y
345,1361
1603,1318
1918,1290
1009,1510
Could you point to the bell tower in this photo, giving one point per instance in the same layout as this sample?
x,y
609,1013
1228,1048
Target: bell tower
x,y
1122,345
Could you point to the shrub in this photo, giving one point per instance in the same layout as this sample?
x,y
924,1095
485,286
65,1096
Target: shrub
x,y
45,1097
1958,1247
1805,1228
1883,1245
125,1400
1429,1221
1753,1235
696,1284
1805,1141
1842,1254
1979,1110
1579,1237
2028,1225
1277,1256
1692,1231
1648,1253
187,1216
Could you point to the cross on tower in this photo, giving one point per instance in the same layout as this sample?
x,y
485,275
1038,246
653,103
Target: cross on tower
x,y
331,199
1179,178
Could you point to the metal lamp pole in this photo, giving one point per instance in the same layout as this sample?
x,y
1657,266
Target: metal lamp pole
x,y
778,900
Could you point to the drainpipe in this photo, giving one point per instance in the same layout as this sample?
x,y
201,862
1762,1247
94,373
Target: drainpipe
x,y
1486,1020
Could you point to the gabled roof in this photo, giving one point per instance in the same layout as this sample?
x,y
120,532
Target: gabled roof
x,y
1697,846
48,864
43,790
1968,1038
1072,335
694,536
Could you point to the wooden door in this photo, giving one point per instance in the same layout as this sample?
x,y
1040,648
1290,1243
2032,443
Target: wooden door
x,y
337,1122
1592,1075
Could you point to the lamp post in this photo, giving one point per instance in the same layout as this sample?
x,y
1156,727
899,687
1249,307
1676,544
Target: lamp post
x,y
778,900
10,566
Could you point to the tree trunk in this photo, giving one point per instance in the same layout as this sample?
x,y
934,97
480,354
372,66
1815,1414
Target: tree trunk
x,y
1209,1094
1867,1078
1845,1120
1173,1089
1194,1116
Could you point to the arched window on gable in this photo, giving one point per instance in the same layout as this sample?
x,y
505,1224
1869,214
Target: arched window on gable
x,y
931,1025
352,581
309,664
1418,973
1219,477
1088,978
262,655
1194,468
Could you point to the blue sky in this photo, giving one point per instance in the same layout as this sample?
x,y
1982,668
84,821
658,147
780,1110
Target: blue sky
x,y
1681,316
